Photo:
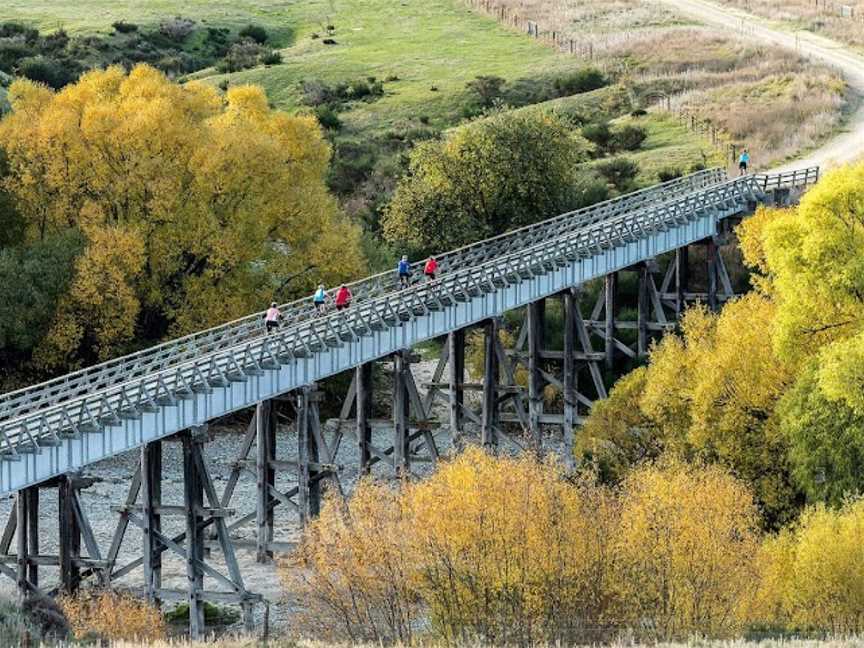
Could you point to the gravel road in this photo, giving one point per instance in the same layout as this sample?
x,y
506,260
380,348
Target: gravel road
x,y
846,146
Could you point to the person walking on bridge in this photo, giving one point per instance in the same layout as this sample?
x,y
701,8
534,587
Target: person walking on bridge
x,y
430,268
343,297
404,271
272,317
743,162
319,299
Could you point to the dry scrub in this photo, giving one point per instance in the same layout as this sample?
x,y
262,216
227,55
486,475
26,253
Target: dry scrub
x,y
766,99
827,17
112,616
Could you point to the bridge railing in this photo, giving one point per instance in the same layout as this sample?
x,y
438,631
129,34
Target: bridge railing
x,y
95,410
788,179
184,349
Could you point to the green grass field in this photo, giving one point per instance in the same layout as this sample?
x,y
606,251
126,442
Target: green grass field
x,y
433,43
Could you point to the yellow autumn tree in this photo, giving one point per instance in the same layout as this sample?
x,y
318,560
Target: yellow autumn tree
x,y
226,196
687,545
710,393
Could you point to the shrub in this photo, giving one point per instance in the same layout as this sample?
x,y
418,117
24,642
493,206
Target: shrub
x,y
254,32
484,565
687,546
598,134
122,27
177,28
669,173
628,138
45,70
581,81
13,30
354,574
272,57
639,112
328,118
112,616
486,88
619,172
240,56
811,575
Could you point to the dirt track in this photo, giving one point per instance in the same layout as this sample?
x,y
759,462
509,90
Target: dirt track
x,y
845,146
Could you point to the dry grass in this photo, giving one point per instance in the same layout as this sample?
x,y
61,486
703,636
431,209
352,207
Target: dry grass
x,y
770,100
826,17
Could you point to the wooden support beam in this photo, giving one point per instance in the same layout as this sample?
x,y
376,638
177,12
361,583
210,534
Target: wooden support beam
x,y
151,501
570,376
491,374
401,410
69,545
265,445
308,479
711,260
22,502
609,333
364,389
33,534
456,366
193,498
536,312
682,279
643,309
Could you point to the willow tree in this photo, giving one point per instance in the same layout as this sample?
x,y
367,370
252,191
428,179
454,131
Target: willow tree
x,y
198,206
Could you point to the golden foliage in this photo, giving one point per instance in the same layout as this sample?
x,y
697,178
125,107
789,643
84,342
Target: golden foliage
x,y
225,197
350,572
812,576
710,393
113,616
509,550
687,542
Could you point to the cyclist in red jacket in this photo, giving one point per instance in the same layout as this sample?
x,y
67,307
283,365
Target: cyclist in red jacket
x,y
343,297
430,268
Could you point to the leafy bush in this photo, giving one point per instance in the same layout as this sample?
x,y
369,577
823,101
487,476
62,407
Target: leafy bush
x,y
328,118
256,33
123,27
17,30
45,70
811,573
619,172
317,92
669,173
486,88
628,138
599,134
112,616
272,57
581,81
241,56
509,551
177,29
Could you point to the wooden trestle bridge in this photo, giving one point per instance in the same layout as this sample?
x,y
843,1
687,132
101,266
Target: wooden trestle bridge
x,y
50,433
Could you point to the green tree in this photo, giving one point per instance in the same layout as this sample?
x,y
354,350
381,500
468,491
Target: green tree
x,y
826,440
500,172
32,281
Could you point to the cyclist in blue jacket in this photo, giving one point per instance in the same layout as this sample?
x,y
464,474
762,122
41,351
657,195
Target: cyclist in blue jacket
x,y
404,270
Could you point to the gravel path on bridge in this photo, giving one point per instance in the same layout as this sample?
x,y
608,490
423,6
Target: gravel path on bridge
x,y
846,146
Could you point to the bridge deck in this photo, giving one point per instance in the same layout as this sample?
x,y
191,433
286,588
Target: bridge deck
x,y
67,423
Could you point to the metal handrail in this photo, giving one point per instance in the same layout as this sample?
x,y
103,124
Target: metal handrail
x,y
174,352
304,339
309,337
